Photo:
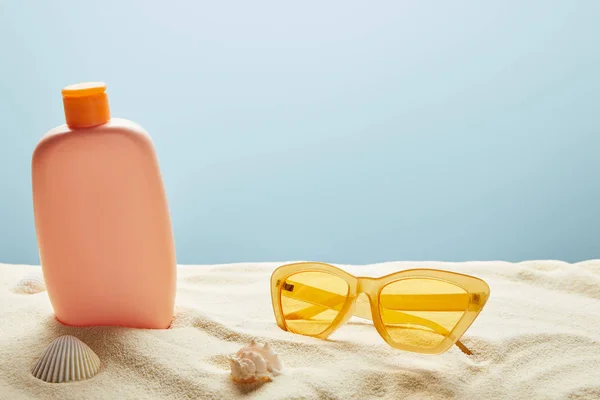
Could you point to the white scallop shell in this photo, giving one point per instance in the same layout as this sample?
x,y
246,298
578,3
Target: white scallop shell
x,y
30,284
66,359
254,362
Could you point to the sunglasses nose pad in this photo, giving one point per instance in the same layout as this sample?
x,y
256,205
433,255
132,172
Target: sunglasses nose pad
x,y
363,307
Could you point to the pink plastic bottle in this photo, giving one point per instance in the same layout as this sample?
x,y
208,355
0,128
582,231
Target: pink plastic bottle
x,y
102,220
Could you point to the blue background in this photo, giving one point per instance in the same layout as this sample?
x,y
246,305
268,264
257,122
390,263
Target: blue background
x,y
347,132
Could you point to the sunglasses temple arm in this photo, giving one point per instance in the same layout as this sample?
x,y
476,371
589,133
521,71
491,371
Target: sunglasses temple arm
x,y
323,300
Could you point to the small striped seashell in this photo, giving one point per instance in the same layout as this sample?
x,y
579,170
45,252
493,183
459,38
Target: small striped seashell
x,y
30,284
66,359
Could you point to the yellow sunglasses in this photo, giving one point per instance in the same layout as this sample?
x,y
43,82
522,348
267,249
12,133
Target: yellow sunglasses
x,y
419,310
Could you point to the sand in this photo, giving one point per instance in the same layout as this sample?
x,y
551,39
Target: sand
x,y
537,338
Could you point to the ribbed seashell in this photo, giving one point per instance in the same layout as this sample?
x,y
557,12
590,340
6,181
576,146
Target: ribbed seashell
x,y
254,362
30,284
66,359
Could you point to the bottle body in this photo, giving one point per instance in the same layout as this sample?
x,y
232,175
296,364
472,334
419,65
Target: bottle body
x,y
103,226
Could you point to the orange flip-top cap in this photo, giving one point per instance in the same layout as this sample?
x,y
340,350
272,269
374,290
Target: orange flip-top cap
x,y
86,104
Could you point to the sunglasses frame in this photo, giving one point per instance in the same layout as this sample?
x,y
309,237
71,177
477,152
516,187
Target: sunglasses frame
x,y
477,289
